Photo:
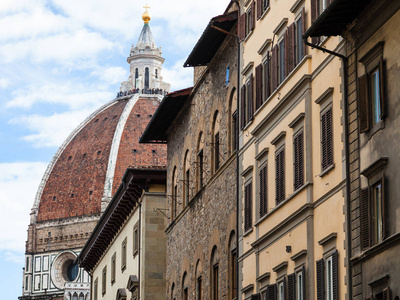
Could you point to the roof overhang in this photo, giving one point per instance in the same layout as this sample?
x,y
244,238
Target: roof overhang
x,y
336,17
156,130
124,201
211,40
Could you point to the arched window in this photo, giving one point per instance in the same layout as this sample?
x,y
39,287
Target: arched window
x,y
75,296
185,288
199,280
146,78
233,121
174,195
136,76
186,179
216,142
214,274
200,171
81,296
156,73
232,266
173,291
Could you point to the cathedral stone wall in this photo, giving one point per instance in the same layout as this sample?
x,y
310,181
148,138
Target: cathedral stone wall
x,y
199,237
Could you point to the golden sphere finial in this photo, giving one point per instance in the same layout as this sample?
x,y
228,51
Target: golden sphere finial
x,y
146,16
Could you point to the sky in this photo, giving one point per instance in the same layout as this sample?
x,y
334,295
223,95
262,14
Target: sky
x,y
60,60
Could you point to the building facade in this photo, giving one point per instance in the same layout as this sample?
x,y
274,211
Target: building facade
x,y
370,31
198,125
291,159
77,187
125,255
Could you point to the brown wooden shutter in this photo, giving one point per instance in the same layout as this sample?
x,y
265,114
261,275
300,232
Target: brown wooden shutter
x,y
335,275
267,77
386,294
303,17
364,219
292,287
314,16
382,88
242,27
326,139
247,207
383,210
290,48
271,292
259,9
253,15
250,99
320,279
255,297
259,86
280,175
243,107
363,103
263,191
286,37
298,147
274,68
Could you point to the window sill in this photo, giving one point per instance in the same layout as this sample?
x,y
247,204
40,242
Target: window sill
x,y
248,36
378,126
248,232
265,12
327,170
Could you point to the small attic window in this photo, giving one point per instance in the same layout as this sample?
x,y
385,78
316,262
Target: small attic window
x,y
138,115
96,120
84,155
115,116
105,118
54,198
72,195
69,157
99,152
90,192
154,151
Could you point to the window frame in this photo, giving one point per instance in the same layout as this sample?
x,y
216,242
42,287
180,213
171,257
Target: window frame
x,y
326,166
113,267
135,239
282,197
124,254
247,207
104,281
298,159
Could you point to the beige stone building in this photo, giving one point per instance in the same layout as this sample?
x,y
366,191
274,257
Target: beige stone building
x,y
370,29
125,254
291,158
198,124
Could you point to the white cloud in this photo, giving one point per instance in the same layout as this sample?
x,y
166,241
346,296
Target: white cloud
x,y
177,76
111,75
18,185
4,83
51,131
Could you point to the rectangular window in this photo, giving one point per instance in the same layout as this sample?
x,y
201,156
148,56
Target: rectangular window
x,y
227,76
123,255
187,182
329,280
376,212
267,80
45,281
36,285
95,288
216,151
104,281
175,200
280,175
265,4
37,263
299,39
326,139
247,207
323,4
198,288
249,20
375,96
135,239
26,283
27,264
215,282
249,99
281,291
300,286
113,258
263,191
298,158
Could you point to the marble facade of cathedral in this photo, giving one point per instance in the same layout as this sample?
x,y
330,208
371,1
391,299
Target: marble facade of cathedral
x,y
83,176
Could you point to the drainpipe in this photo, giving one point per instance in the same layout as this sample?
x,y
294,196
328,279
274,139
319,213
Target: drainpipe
x,y
347,157
139,246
